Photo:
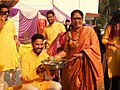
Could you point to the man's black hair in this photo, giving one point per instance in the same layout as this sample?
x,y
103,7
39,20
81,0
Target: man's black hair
x,y
67,20
2,5
50,12
37,36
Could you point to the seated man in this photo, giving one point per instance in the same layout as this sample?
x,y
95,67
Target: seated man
x,y
33,75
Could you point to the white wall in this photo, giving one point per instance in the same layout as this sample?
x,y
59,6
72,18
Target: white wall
x,y
67,6
86,6
89,6
35,4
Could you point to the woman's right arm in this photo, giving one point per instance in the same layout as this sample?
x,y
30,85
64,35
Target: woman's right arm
x,y
105,38
117,46
61,54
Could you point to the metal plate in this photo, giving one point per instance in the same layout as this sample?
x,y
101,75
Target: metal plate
x,y
53,64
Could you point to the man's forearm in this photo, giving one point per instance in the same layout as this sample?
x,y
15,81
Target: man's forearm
x,y
15,37
1,25
2,21
17,41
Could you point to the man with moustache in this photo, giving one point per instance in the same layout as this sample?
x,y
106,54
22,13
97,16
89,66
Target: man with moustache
x,y
33,75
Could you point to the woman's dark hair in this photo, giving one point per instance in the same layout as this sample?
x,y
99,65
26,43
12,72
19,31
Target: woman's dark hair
x,y
76,11
50,12
37,36
3,6
114,21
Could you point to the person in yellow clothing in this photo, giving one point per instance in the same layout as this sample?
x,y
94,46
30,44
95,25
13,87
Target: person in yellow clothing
x,y
8,40
53,29
111,39
33,75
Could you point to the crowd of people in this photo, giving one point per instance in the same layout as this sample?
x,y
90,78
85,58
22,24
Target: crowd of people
x,y
81,46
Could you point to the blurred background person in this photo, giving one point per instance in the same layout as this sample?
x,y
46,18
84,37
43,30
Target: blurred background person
x,y
67,23
8,40
102,46
111,39
53,29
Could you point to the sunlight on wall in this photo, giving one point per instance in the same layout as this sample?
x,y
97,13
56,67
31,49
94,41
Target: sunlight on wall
x,y
36,2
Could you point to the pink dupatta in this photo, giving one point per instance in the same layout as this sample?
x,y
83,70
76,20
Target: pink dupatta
x,y
57,43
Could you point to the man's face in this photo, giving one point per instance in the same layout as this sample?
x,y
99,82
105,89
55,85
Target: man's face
x,y
38,46
67,23
50,18
77,20
4,12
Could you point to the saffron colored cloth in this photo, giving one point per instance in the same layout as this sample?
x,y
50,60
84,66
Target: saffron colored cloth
x,y
8,53
112,53
86,73
29,62
51,31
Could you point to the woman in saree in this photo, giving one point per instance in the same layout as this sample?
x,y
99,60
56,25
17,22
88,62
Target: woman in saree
x,y
83,70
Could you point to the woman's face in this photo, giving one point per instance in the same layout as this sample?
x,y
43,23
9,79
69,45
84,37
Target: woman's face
x,y
77,20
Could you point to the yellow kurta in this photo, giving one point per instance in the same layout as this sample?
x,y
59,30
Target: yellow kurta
x,y
112,53
23,48
51,31
30,61
8,53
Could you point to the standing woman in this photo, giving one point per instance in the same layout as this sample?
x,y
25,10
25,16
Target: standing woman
x,y
111,39
83,70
